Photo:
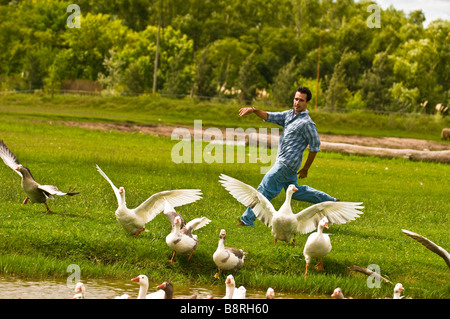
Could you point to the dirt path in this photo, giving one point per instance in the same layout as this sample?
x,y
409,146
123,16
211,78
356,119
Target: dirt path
x,y
362,145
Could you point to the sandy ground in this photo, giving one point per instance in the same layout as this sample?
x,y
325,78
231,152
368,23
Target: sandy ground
x,y
390,147
383,142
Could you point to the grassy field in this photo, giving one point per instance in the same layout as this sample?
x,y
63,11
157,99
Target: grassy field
x,y
155,109
82,230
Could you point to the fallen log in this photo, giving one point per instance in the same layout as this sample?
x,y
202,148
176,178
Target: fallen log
x,y
416,155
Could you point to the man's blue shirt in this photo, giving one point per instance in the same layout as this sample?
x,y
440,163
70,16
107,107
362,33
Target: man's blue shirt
x,y
299,130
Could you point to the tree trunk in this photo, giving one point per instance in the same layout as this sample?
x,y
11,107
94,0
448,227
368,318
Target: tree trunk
x,y
155,69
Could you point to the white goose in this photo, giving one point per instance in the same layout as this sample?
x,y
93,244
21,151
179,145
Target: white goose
x,y
317,245
133,220
398,291
80,291
227,258
284,222
338,294
165,289
231,291
270,293
181,240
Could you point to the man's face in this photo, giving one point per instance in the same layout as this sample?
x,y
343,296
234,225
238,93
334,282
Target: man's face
x,y
300,103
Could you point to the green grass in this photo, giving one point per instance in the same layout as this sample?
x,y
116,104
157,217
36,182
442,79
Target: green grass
x,y
153,109
397,194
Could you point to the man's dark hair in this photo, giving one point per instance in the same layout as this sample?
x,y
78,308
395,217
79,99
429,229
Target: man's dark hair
x,y
305,90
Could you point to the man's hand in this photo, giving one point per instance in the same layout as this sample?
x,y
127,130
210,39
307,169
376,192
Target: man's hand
x,y
303,173
246,110
250,110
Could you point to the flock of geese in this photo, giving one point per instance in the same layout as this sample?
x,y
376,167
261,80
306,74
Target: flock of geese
x,y
166,291
283,222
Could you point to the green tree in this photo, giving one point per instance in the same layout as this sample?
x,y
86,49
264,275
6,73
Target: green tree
x,y
337,92
249,79
376,82
204,84
114,74
283,87
90,44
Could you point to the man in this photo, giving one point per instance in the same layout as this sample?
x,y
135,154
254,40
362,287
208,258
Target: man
x,y
299,131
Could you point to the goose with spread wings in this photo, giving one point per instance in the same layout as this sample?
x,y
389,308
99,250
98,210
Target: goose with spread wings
x,y
181,240
284,222
36,193
133,220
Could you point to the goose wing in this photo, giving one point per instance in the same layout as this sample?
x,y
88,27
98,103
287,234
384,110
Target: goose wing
x,y
249,197
9,158
336,212
430,245
170,212
53,190
115,189
197,223
155,204
239,253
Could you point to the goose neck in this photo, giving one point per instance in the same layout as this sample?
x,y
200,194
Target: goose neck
x,y
221,243
142,291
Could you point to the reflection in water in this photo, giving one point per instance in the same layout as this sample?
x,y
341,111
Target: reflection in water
x,y
109,289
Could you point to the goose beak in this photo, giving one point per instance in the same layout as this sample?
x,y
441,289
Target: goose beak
x,y
136,279
163,285
326,225
295,189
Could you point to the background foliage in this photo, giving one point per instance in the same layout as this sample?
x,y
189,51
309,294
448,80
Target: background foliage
x,y
254,49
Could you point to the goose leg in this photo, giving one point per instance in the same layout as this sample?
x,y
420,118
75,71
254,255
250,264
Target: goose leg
x,y
173,256
189,258
293,241
25,200
319,266
275,242
139,231
217,275
48,208
306,270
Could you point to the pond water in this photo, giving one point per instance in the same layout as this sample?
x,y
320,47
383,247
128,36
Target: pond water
x,y
109,289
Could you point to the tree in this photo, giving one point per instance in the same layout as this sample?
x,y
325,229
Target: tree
x,y
249,79
113,78
204,84
337,92
90,44
376,81
283,88
179,76
227,55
